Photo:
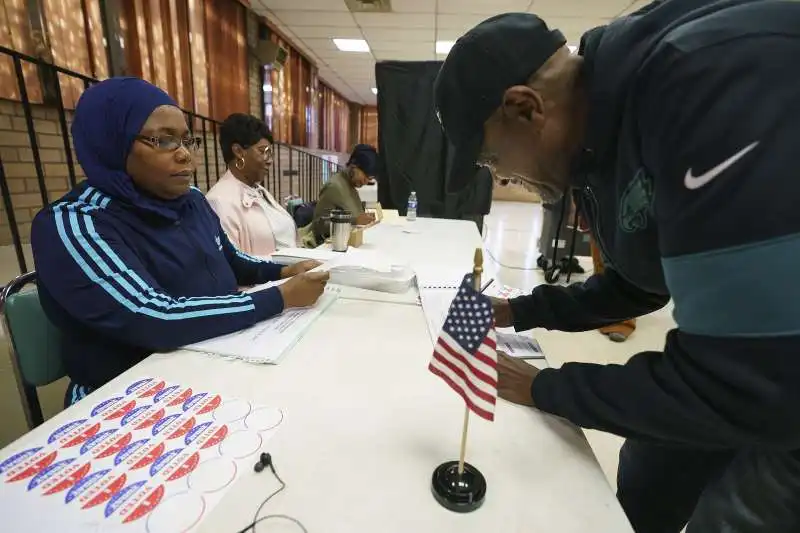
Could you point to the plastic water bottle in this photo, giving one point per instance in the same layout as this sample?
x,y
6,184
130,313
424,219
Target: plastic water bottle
x,y
411,212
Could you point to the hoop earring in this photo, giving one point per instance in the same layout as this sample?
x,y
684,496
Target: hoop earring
x,y
238,162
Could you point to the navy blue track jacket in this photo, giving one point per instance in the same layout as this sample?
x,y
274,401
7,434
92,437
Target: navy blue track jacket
x,y
690,183
123,281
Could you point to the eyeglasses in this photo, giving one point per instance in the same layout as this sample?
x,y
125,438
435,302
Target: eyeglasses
x,y
170,143
266,152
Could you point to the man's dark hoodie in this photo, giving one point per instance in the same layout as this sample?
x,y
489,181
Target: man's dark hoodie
x,y
689,180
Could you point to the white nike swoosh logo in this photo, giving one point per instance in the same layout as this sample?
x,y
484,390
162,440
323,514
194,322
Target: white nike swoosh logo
x,y
693,182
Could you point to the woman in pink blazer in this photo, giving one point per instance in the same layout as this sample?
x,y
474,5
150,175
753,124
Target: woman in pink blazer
x,y
256,223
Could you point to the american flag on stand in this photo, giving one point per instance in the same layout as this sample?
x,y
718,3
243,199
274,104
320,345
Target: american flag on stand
x,y
465,355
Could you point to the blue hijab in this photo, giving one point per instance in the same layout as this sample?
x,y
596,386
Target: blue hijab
x,y
107,120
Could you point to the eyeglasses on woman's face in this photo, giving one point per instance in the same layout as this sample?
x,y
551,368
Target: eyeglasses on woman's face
x,y
264,150
170,143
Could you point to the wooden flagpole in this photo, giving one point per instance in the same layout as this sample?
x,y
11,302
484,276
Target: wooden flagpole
x,y
477,271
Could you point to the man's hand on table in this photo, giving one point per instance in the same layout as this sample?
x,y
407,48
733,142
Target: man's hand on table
x,y
514,379
503,317
303,290
365,219
299,268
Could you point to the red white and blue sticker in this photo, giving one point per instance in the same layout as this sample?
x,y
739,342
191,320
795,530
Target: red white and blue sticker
x,y
129,450
96,488
31,466
96,439
137,385
206,435
47,473
167,393
145,456
67,431
196,432
182,430
82,485
107,405
142,503
166,423
182,466
102,491
118,499
121,409
18,458
178,398
202,403
152,418
151,389
135,501
122,457
112,445
140,454
163,461
83,436
175,464
136,416
66,478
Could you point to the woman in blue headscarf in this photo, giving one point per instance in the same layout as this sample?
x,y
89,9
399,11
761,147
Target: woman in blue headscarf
x,y
133,260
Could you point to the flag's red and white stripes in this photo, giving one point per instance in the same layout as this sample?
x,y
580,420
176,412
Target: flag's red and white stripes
x,y
473,376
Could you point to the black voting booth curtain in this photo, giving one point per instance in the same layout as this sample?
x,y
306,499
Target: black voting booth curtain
x,y
410,139
414,151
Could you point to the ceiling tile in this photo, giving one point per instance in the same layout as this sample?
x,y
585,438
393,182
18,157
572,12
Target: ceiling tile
x,y
326,32
485,7
405,55
462,23
323,45
303,5
390,34
414,6
579,9
395,20
385,46
315,18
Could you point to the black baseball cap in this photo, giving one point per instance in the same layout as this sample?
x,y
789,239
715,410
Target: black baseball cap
x,y
500,52
365,157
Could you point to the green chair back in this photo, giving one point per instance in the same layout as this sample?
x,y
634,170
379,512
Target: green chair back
x,y
35,343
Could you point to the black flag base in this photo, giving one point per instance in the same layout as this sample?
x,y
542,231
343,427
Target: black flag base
x,y
460,493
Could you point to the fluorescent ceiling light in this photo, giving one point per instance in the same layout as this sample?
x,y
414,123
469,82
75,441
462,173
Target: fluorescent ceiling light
x,y
351,45
374,90
443,47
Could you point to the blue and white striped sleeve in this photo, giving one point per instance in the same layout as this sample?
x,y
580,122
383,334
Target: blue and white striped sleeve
x,y
93,274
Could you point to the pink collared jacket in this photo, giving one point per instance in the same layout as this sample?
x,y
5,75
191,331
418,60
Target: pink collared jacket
x,y
253,220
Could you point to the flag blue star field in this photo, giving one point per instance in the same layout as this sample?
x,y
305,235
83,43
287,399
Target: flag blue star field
x,y
465,355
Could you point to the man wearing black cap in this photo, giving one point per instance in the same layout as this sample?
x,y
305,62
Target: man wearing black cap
x,y
669,127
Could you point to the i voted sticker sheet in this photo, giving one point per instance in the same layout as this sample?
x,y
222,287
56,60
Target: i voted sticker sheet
x,y
155,458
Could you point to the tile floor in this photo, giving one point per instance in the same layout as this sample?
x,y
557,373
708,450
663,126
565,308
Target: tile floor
x,y
511,234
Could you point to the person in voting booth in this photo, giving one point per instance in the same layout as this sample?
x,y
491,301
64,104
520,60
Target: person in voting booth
x,y
254,222
134,260
341,192
667,128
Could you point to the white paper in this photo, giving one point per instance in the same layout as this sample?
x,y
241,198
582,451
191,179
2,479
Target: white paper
x,y
154,456
268,341
435,305
289,256
519,346
498,290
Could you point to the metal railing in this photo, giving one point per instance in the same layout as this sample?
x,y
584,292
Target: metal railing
x,y
293,172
